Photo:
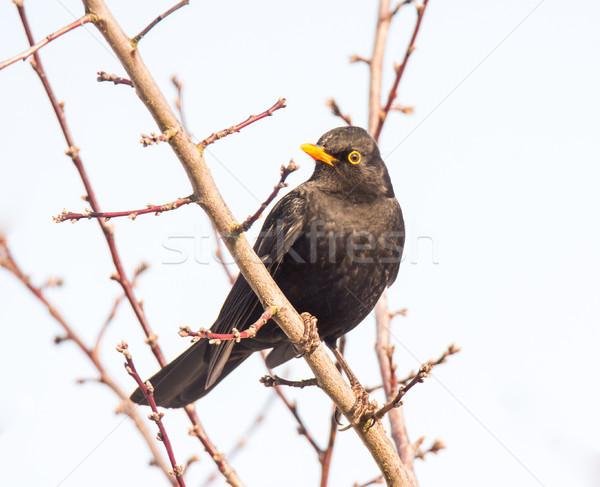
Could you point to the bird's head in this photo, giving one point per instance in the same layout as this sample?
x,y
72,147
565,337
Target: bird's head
x,y
349,162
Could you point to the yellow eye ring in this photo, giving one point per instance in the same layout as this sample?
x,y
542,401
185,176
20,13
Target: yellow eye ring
x,y
354,157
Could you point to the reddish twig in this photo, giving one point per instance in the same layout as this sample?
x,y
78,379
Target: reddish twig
x,y
217,338
284,173
451,350
151,25
138,271
148,390
131,214
219,458
153,138
400,312
400,71
113,78
36,47
236,128
7,261
423,373
73,152
335,109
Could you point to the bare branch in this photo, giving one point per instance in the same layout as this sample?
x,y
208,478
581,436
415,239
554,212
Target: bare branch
x,y
36,47
284,173
399,6
423,373
151,25
131,214
384,352
217,338
236,128
436,446
400,71
355,58
113,78
376,64
335,109
275,380
7,261
148,390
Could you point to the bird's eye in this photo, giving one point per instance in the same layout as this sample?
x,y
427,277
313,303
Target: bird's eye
x,y
354,157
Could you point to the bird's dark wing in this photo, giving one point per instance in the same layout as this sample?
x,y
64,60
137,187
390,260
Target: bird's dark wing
x,y
280,230
394,241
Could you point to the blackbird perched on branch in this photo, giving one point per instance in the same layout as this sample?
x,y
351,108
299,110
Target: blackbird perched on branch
x,y
332,245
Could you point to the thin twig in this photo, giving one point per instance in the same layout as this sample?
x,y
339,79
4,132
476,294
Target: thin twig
x,y
423,373
451,350
131,214
179,103
8,262
275,380
217,338
36,47
435,447
236,128
400,71
335,109
148,390
284,173
113,78
138,37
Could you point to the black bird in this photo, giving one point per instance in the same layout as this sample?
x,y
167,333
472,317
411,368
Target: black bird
x,y
332,245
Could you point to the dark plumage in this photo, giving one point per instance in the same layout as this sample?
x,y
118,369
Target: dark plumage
x,y
333,244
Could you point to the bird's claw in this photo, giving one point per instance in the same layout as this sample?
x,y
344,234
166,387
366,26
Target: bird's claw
x,y
363,407
310,340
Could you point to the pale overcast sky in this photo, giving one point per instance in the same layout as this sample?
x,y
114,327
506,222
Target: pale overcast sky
x,y
496,171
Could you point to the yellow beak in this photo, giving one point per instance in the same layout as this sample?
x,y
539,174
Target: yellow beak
x,y
318,153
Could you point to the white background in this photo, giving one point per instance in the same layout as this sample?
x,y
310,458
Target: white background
x,y
498,167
